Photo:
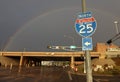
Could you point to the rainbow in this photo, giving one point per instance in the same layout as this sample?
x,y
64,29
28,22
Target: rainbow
x,y
26,25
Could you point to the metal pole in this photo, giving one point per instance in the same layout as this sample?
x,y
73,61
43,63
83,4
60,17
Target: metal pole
x,y
84,10
72,57
88,66
87,53
83,5
84,64
116,26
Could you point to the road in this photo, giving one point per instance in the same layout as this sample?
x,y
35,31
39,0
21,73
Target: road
x,y
47,74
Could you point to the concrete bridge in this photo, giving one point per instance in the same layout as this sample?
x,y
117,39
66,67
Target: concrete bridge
x,y
100,52
49,54
72,55
23,55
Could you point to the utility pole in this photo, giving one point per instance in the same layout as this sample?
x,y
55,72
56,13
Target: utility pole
x,y
83,5
87,53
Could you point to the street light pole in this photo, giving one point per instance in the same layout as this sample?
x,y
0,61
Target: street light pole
x,y
83,5
87,53
72,57
116,26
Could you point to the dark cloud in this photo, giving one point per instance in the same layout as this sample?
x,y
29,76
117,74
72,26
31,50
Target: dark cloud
x,y
33,24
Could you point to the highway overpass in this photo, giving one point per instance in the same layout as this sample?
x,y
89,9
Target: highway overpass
x,y
24,55
49,54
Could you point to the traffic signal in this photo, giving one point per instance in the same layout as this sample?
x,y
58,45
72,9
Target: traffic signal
x,y
109,41
59,47
72,47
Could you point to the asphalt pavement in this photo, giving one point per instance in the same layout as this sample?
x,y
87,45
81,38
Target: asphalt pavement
x,y
48,74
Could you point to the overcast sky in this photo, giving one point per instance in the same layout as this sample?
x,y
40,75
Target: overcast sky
x,y
34,24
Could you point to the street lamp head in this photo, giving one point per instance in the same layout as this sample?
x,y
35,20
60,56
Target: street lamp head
x,y
116,26
115,22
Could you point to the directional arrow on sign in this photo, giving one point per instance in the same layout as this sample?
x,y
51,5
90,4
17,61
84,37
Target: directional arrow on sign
x,y
87,43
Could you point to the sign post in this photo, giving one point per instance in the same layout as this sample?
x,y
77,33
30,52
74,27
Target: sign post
x,y
85,26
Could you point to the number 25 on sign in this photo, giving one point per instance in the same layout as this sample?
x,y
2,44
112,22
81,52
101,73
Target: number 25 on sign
x,y
85,27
